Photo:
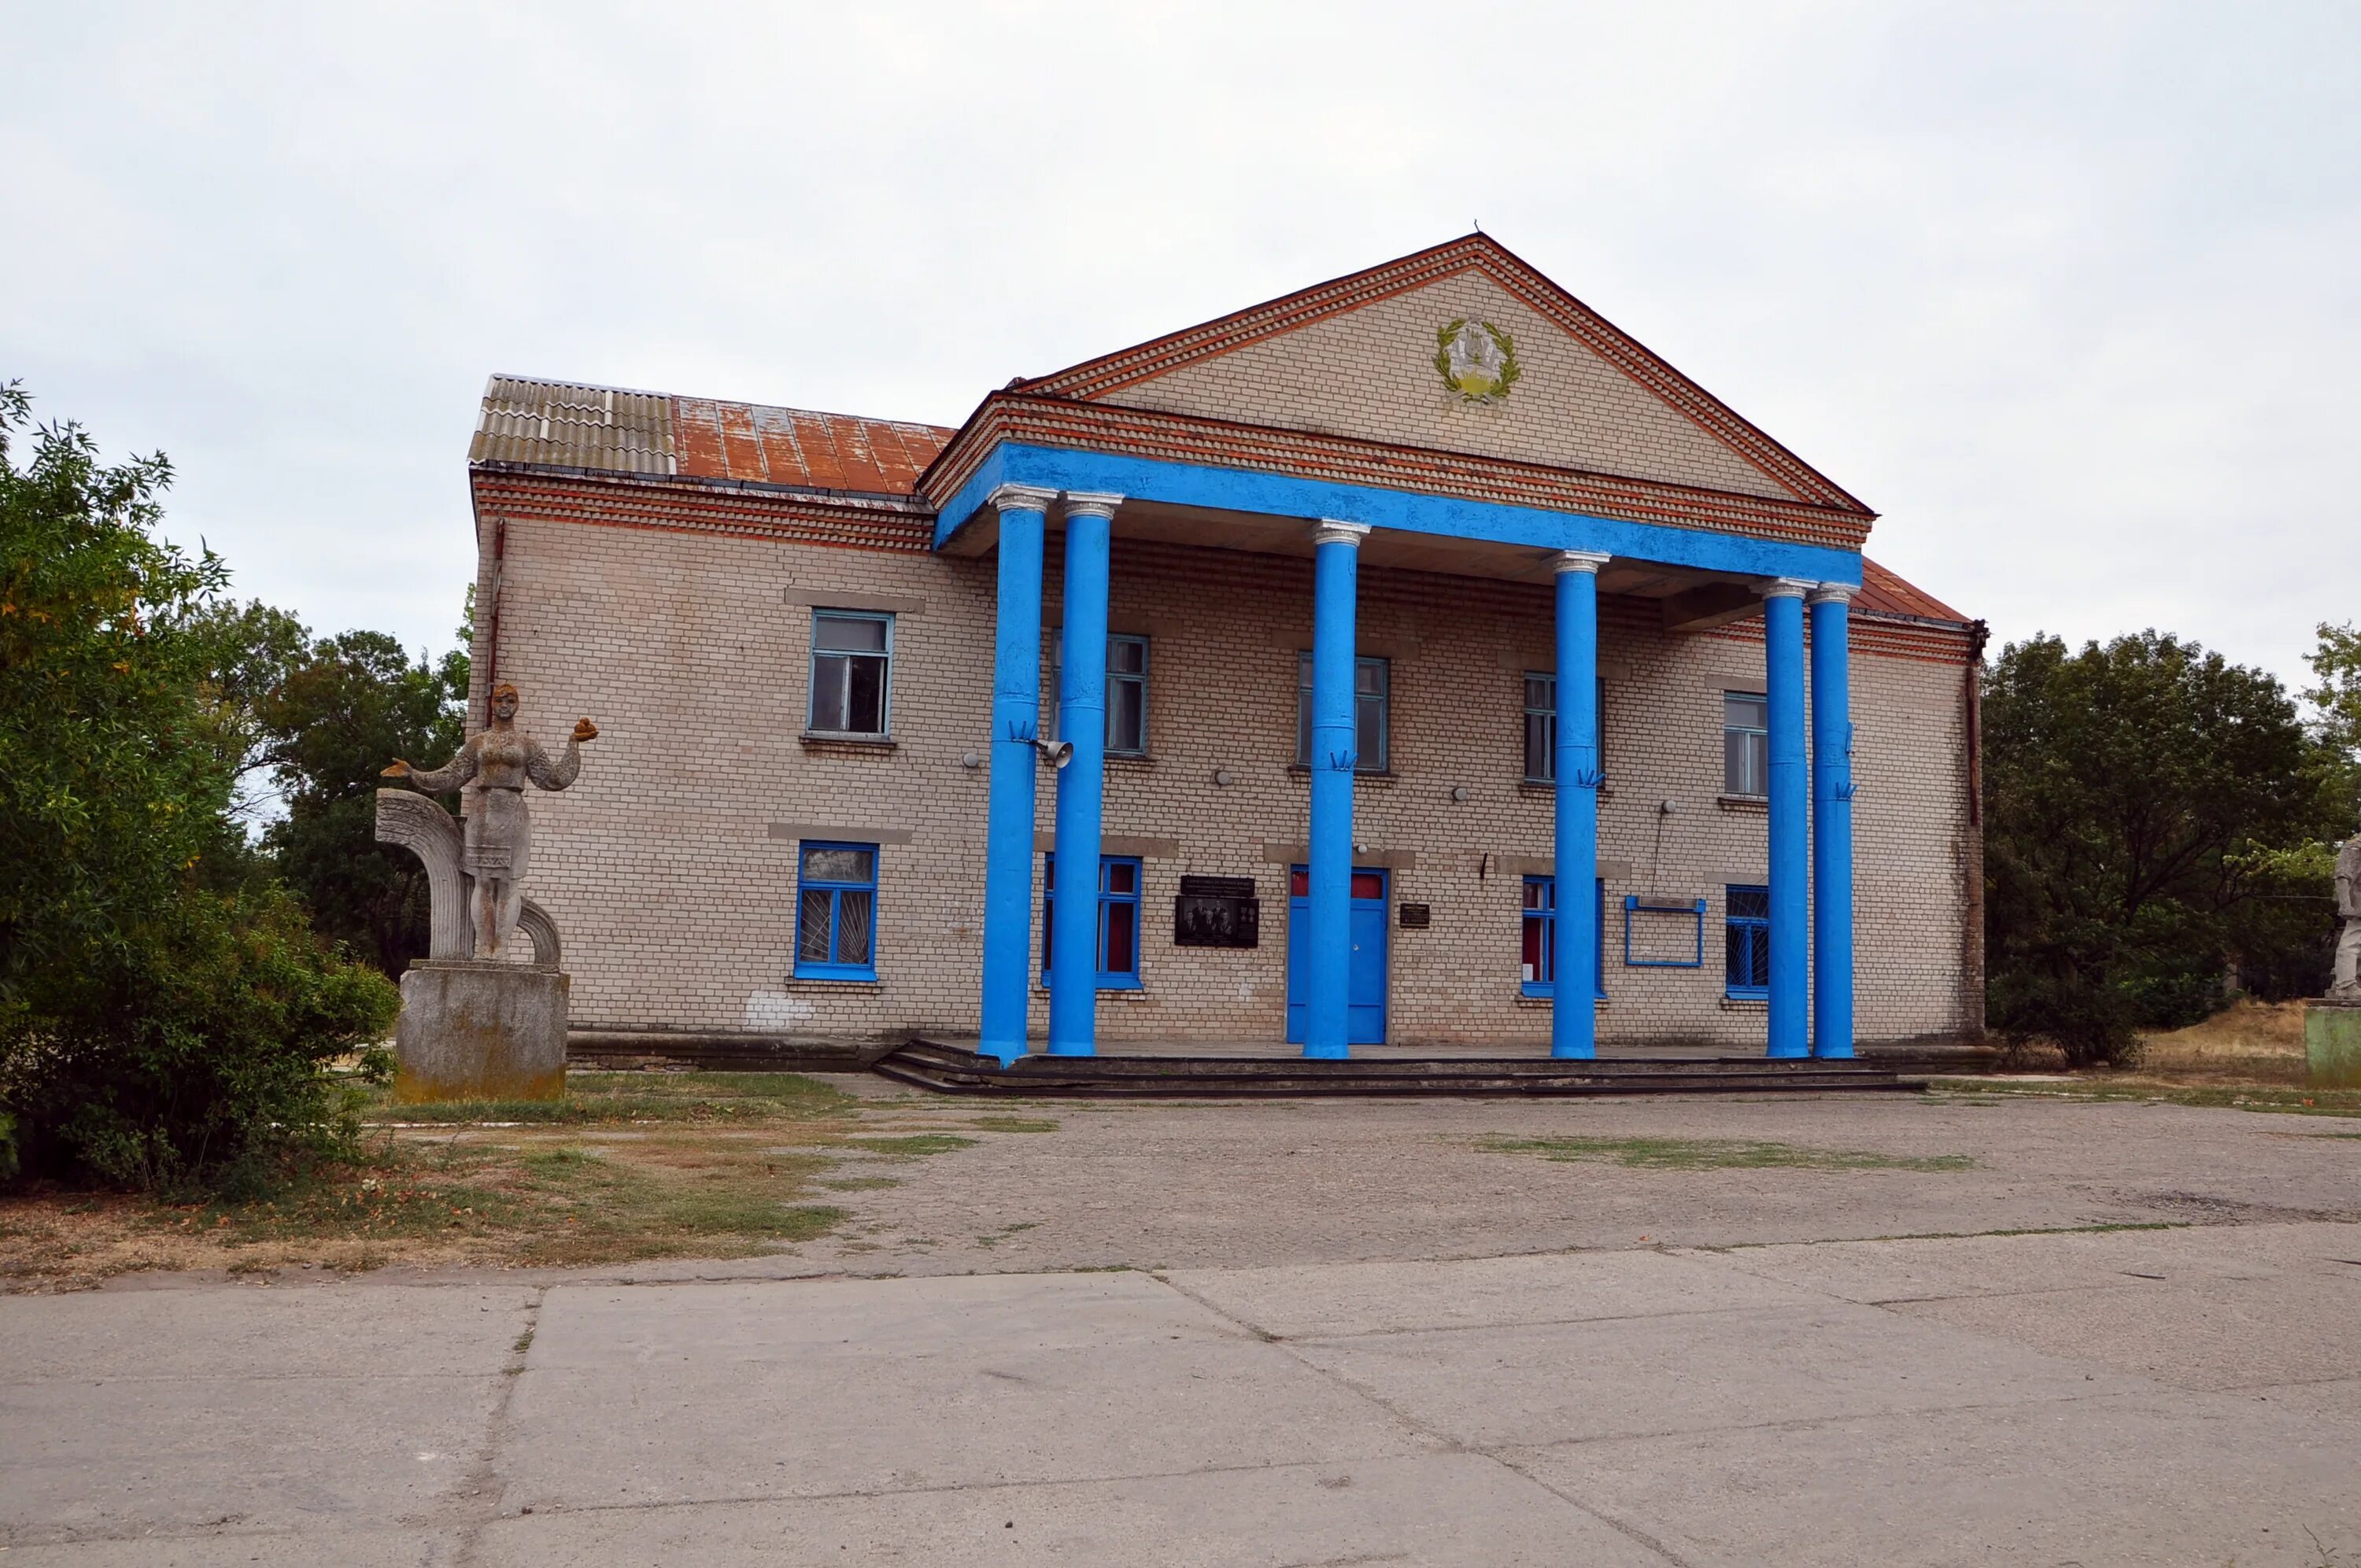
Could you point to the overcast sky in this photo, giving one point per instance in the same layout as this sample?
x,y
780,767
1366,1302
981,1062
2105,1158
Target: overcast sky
x,y
2071,294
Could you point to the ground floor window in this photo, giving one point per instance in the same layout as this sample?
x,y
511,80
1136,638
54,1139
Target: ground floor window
x,y
836,911
1746,925
1538,973
1118,957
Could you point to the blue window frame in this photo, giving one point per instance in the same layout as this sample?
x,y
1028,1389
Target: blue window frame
x,y
1127,691
852,673
836,911
1540,726
1119,878
1372,715
1746,926
1745,744
1538,973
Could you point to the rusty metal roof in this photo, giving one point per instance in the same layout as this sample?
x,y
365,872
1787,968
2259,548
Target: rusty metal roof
x,y
1883,593
798,446
568,425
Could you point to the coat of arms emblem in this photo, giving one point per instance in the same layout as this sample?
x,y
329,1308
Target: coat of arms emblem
x,y
1478,360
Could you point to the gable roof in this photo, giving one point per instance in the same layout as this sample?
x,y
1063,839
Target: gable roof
x,y
529,422
566,424
1125,376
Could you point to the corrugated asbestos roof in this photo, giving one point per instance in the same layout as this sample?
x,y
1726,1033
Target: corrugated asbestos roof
x,y
568,425
573,427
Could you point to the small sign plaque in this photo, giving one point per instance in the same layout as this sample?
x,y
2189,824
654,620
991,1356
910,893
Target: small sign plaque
x,y
1217,912
1416,916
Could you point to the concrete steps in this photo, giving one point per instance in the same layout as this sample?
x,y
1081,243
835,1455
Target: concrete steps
x,y
950,1070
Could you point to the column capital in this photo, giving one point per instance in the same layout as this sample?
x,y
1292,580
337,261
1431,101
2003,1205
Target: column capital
x,y
1092,503
1831,593
1335,531
1786,587
1020,497
1580,561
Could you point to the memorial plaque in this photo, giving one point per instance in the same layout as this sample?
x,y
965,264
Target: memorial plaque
x,y
1415,916
1217,912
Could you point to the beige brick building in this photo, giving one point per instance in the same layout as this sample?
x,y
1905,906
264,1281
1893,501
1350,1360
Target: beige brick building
x,y
793,630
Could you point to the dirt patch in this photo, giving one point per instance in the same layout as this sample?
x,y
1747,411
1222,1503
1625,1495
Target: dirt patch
x,y
629,1166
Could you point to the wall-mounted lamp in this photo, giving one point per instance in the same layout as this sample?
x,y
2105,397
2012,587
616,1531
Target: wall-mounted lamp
x,y
1459,791
1224,778
971,761
1666,808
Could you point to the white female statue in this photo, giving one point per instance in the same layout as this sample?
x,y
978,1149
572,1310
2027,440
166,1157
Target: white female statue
x,y
498,843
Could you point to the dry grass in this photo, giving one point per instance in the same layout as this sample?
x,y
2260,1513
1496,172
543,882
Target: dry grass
x,y
2248,1056
629,1166
2247,1042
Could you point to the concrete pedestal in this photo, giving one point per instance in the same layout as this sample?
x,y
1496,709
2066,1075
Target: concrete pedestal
x,y
2332,1043
480,1031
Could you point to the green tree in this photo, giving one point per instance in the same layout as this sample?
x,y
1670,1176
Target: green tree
x,y
165,1014
2147,807
2337,662
342,710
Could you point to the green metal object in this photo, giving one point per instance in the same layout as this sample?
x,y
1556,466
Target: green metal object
x,y
2332,1043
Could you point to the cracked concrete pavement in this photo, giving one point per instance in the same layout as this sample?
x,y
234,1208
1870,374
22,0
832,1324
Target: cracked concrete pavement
x,y
1384,1347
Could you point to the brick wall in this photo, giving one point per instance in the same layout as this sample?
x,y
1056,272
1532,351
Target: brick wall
x,y
687,640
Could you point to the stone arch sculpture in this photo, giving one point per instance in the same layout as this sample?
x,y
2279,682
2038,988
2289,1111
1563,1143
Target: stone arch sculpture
x,y
433,835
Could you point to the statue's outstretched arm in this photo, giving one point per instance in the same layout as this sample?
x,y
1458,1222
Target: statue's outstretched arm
x,y
558,775
442,780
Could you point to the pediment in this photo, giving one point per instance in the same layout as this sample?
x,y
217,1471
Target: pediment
x,y
1359,357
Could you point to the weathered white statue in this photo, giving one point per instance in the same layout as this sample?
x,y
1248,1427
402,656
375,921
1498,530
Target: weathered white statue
x,y
499,845
2347,986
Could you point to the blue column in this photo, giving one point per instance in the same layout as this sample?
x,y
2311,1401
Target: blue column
x,y
1081,783
1328,948
1832,825
1782,636
1574,1019
1016,719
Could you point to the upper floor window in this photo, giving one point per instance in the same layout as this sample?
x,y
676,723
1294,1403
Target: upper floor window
x,y
852,672
1745,744
1372,723
1746,938
1126,692
1540,726
1119,956
836,911
1538,971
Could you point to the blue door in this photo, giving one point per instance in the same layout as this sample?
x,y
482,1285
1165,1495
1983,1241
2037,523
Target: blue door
x,y
1364,1013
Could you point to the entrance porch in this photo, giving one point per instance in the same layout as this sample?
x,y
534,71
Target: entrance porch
x,y
1021,496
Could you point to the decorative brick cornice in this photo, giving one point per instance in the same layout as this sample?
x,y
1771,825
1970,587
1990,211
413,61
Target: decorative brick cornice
x,y
1480,253
1882,635
622,501
1035,419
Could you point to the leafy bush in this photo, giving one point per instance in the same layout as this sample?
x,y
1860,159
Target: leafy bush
x,y
197,1053
165,1011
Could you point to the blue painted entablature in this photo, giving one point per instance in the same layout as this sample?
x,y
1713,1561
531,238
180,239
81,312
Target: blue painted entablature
x,y
1633,519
